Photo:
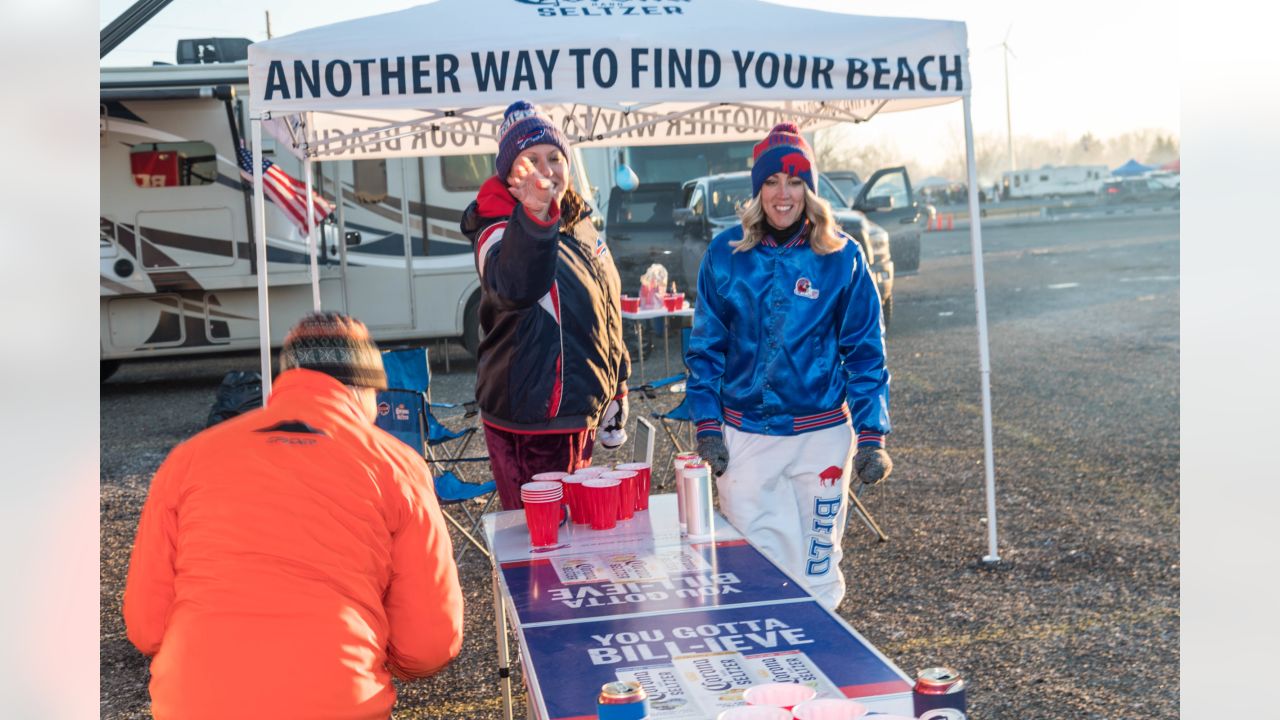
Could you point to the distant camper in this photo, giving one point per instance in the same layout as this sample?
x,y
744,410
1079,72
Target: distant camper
x,y
1050,181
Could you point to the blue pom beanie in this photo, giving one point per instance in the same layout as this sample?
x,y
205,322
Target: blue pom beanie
x,y
523,126
782,150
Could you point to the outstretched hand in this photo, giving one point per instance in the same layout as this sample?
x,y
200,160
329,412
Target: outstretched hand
x,y
533,189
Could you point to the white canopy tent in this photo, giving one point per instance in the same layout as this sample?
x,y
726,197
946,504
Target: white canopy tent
x,y
435,80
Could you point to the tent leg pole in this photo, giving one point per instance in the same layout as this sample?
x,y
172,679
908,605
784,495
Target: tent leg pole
x,y
260,246
311,238
984,351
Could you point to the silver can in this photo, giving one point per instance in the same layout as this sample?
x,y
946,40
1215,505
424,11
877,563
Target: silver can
x,y
698,509
943,714
680,461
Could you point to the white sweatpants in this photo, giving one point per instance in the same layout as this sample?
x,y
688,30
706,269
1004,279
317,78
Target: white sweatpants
x,y
786,494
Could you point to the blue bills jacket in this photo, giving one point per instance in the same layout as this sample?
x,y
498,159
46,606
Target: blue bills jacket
x,y
787,341
552,357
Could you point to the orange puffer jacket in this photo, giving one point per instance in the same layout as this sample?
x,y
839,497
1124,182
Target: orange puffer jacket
x,y
288,561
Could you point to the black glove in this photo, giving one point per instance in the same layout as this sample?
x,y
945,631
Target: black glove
x,y
711,449
872,464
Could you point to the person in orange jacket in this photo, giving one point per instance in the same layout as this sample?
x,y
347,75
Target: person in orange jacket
x,y
290,560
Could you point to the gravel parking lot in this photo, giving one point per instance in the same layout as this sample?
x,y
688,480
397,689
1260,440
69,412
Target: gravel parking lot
x,y
1079,620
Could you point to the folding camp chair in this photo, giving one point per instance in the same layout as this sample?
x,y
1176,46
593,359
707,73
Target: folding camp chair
x,y
681,413
405,412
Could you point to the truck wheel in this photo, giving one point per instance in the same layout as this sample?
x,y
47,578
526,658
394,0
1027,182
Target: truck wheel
x,y
471,326
106,369
886,311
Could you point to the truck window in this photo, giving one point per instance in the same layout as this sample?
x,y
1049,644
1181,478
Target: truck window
x,y
828,192
175,164
370,180
465,173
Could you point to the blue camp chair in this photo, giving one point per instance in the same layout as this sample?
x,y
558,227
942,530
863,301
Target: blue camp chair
x,y
404,410
681,413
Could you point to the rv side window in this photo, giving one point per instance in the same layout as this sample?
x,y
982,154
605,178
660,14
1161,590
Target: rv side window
x,y
465,173
173,164
370,180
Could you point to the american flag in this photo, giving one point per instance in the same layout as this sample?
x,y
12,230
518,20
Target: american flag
x,y
286,192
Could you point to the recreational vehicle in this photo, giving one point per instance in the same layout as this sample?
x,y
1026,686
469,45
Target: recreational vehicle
x,y
178,273
1050,181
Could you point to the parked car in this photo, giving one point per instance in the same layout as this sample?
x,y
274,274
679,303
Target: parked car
x,y
710,205
641,231
1137,190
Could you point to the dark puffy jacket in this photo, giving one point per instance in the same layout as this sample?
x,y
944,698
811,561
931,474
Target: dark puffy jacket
x,y
552,357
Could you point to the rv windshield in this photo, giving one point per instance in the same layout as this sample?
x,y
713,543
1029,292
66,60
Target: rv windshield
x,y
727,196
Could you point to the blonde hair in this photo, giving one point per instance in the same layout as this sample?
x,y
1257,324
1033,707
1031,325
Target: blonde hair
x,y
824,233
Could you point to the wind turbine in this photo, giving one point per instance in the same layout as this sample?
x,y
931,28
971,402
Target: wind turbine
x,y
1008,114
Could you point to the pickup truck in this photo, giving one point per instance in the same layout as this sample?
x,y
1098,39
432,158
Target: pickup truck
x,y
640,231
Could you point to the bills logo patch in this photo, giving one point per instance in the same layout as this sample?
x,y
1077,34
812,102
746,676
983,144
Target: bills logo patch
x,y
805,289
795,164
601,248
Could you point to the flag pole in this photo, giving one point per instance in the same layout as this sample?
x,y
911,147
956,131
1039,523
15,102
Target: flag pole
x,y
260,245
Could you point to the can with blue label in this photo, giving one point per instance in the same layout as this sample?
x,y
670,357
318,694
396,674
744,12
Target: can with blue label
x,y
938,688
622,701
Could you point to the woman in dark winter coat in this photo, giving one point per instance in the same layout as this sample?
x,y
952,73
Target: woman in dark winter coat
x,y
552,367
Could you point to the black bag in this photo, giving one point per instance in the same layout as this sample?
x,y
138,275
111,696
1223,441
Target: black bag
x,y
239,393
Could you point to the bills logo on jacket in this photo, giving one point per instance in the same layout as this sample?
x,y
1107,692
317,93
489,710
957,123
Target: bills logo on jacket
x,y
806,289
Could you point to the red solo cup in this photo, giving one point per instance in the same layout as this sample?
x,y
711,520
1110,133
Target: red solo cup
x,y
591,470
779,694
626,492
643,482
755,712
549,476
829,709
673,301
602,500
630,304
573,492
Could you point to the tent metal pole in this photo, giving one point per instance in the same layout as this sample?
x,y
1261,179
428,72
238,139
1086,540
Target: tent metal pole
x,y
984,351
311,236
260,245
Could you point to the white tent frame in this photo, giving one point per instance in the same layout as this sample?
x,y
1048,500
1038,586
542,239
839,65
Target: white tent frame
x,y
295,128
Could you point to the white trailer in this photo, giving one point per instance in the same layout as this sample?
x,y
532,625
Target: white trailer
x,y
177,259
1051,181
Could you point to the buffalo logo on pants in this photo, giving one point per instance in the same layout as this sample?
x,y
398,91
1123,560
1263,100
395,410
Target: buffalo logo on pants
x,y
830,476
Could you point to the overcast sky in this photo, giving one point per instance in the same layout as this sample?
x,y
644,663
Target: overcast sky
x,y
1105,67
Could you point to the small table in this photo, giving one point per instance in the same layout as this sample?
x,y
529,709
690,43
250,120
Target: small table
x,y
694,621
640,315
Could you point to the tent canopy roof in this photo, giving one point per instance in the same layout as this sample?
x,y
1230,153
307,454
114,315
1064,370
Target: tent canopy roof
x,y
436,78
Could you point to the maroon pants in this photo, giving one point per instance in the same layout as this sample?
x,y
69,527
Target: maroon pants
x,y
516,457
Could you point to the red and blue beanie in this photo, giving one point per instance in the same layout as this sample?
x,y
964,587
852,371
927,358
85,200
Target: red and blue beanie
x,y
783,150
523,126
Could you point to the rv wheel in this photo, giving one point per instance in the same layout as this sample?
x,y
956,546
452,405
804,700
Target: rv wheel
x,y
471,325
107,368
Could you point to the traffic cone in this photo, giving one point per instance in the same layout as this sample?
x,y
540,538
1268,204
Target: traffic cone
x,y
950,220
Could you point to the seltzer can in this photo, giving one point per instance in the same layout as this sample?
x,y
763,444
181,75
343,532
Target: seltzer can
x,y
622,700
943,714
680,461
939,688
699,511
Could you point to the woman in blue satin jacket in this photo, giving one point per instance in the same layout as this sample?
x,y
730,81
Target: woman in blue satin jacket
x,y
787,367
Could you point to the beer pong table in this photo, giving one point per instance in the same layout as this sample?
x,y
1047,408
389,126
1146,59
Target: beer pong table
x,y
695,622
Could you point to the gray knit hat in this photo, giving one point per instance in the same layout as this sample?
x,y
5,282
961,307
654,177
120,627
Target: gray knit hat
x,y
337,345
